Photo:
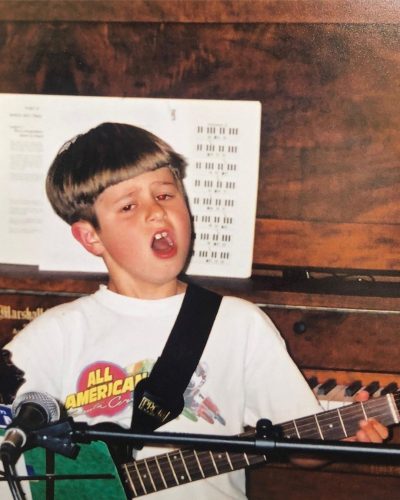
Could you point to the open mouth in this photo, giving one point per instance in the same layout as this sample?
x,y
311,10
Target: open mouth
x,y
162,242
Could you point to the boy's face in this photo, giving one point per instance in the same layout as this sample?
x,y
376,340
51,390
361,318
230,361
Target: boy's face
x,y
144,235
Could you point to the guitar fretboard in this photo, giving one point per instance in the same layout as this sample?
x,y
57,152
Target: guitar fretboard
x,y
183,466
344,422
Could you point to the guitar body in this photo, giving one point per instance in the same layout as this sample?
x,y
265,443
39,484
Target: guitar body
x,y
92,459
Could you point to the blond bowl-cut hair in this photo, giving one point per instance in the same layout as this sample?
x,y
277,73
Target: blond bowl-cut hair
x,y
105,155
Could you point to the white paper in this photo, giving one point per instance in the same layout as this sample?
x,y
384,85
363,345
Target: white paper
x,y
220,140
21,179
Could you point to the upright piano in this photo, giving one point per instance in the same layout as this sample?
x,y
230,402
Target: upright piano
x,y
343,342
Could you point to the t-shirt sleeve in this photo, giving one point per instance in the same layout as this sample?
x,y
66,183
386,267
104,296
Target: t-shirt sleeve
x,y
275,387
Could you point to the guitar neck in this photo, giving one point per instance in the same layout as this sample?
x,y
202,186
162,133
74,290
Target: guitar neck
x,y
179,467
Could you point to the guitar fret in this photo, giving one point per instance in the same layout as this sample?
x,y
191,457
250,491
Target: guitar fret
x,y
199,464
172,468
363,409
351,416
229,460
168,472
213,462
289,430
331,425
160,472
342,424
240,460
193,465
179,467
222,462
256,459
296,429
206,463
138,475
145,480
184,464
377,410
319,428
305,427
129,480
149,475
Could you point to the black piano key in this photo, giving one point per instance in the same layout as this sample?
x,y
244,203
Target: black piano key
x,y
312,382
353,388
372,387
327,386
388,389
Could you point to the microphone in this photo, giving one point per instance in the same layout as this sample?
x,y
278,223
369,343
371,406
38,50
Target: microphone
x,y
30,411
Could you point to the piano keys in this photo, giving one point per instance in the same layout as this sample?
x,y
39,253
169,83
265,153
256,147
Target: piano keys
x,y
335,388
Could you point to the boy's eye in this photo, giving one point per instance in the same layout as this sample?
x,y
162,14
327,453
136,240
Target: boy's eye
x,y
163,197
128,207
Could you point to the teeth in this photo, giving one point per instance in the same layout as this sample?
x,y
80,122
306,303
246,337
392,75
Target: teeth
x,y
158,236
164,234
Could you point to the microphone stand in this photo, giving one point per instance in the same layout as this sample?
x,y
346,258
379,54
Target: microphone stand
x,y
265,440
63,436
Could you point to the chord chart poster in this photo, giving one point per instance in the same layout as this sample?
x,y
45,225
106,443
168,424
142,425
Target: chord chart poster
x,y
219,139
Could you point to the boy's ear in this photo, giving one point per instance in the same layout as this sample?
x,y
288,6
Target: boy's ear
x,y
86,234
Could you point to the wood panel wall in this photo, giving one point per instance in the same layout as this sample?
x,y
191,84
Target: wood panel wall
x,y
327,74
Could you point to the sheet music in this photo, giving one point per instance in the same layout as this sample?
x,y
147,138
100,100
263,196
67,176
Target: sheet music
x,y
21,180
220,140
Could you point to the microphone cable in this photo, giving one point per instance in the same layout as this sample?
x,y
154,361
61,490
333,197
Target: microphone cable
x,y
10,475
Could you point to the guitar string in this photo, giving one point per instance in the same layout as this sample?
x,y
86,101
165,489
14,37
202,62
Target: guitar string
x,y
208,464
353,408
376,408
189,462
207,468
353,412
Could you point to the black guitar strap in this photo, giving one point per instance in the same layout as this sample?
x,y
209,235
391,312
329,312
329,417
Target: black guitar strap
x,y
159,397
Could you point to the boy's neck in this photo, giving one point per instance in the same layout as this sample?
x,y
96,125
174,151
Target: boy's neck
x,y
148,292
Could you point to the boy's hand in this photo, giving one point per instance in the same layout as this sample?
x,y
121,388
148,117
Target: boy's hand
x,y
370,431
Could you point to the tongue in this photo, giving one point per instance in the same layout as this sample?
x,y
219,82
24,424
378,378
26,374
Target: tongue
x,y
161,245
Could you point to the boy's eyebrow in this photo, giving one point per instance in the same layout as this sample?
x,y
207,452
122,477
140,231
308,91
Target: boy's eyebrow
x,y
166,183
130,193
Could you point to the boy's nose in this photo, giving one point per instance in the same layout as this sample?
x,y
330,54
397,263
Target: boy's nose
x,y
155,211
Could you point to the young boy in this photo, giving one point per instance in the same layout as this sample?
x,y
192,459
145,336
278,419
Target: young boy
x,y
120,189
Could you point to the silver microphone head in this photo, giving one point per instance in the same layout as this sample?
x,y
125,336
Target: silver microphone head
x,y
46,402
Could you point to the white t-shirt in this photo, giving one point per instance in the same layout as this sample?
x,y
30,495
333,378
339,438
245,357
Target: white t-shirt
x,y
91,352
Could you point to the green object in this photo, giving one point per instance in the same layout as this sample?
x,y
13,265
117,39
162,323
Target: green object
x,y
93,458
